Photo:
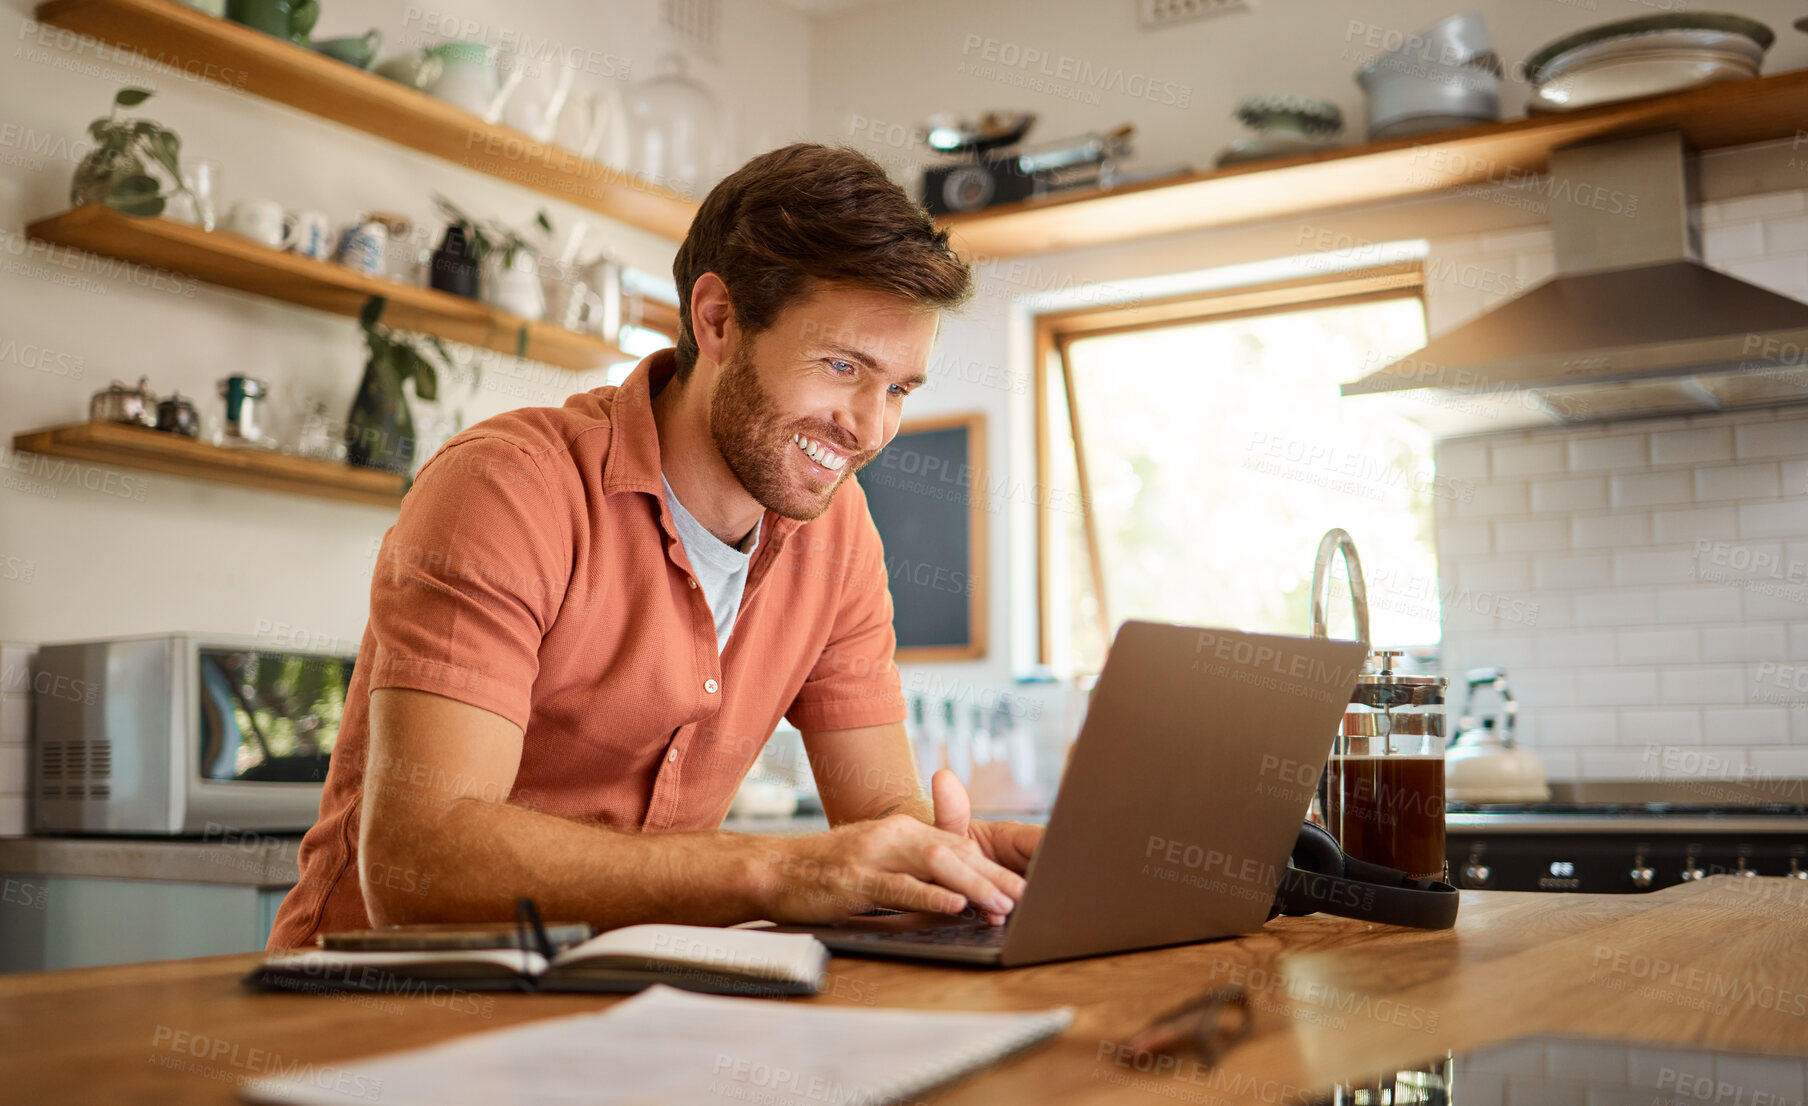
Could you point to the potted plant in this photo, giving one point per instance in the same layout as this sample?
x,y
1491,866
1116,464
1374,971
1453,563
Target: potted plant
x,y
510,258
117,171
379,431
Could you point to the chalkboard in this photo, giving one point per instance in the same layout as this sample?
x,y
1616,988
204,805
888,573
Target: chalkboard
x,y
927,493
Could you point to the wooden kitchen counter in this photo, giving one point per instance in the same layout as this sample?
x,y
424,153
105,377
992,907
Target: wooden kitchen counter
x,y
1723,962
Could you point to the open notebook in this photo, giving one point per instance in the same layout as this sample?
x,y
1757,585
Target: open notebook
x,y
667,1046
696,958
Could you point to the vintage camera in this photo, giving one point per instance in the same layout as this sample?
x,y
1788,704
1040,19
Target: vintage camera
x,y
996,170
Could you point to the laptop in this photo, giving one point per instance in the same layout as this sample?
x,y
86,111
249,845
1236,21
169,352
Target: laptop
x,y
1177,812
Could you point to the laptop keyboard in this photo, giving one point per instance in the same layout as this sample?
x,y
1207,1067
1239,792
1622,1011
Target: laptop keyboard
x,y
959,934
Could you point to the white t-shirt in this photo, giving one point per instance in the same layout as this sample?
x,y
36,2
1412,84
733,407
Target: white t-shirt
x,y
720,568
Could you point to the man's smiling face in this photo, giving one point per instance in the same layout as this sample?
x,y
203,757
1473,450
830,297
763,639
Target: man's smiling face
x,y
804,404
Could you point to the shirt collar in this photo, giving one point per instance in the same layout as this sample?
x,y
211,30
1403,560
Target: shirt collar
x,y
633,461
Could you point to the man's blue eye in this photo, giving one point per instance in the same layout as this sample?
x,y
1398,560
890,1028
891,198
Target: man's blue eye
x,y
841,366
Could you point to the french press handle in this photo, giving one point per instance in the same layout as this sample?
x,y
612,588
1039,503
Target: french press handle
x,y
1333,542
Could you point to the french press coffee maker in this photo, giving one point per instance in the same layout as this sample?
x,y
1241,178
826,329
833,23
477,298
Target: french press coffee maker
x,y
1382,793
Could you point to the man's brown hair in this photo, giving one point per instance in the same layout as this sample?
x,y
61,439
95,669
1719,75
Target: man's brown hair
x,y
807,214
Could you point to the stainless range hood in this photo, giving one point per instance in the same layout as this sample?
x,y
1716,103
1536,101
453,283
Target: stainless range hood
x,y
1633,324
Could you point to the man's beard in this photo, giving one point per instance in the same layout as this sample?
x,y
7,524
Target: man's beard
x,y
756,442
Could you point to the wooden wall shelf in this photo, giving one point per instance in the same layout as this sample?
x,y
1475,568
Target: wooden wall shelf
x,y
230,261
177,35
1734,113
104,443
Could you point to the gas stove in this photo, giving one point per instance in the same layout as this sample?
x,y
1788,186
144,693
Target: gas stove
x,y
1621,847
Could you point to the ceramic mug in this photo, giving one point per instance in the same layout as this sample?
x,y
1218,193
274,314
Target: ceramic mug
x,y
307,234
361,247
261,221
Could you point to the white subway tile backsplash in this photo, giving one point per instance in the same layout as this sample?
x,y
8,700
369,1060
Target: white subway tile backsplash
x,y
1730,242
1533,535
1758,725
1589,570
1528,458
1619,686
1765,205
1698,604
1788,235
1510,651
1781,438
1611,764
1575,647
1547,687
1664,567
1701,685
1616,607
1688,525
1769,601
1461,459
1575,727
1759,481
1744,643
1779,763
1507,497
1610,531
1660,725
1575,494
1464,539
1621,451
1646,489
1658,553
1498,574
1656,645
1788,519
1693,446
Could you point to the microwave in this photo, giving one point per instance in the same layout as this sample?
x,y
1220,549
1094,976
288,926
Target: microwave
x,y
182,734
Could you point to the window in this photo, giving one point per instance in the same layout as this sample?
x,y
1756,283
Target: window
x,y
1212,451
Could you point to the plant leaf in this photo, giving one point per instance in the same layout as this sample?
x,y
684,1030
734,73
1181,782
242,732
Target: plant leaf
x,y
542,221
426,381
521,343
132,97
134,186
165,146
372,311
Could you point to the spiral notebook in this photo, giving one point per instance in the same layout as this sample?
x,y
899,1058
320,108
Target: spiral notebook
x,y
667,1045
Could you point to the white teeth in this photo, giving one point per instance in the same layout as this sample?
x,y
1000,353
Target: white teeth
x,y
820,453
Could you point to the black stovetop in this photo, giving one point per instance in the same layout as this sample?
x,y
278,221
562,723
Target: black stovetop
x,y
1640,810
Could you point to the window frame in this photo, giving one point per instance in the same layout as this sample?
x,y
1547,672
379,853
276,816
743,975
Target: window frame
x,y
1056,331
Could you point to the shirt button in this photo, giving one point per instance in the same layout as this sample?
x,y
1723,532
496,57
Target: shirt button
x,y
671,756
709,686
692,581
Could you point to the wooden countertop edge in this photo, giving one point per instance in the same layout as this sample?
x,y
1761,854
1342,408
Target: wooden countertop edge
x,y
1516,964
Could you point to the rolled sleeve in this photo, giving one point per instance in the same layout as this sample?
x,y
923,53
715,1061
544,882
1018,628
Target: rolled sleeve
x,y
854,683
469,580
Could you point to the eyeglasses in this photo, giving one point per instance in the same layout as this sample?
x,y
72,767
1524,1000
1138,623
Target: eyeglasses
x,y
1211,1023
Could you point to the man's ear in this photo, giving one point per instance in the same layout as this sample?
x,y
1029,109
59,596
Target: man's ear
x,y
712,317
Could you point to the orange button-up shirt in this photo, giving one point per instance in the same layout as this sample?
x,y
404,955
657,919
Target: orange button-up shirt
x,y
535,572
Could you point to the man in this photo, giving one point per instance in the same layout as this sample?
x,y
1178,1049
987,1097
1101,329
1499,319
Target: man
x,y
588,619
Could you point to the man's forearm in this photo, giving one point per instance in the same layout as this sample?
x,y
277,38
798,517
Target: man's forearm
x,y
471,860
